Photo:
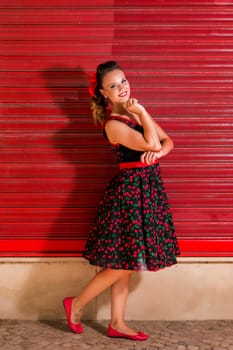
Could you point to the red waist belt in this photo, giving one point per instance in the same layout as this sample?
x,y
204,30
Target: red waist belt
x,y
135,164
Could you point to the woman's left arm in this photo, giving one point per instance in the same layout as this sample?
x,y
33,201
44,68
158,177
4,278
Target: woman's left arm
x,y
149,157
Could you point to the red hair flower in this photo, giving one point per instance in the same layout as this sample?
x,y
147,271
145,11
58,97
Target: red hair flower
x,y
92,86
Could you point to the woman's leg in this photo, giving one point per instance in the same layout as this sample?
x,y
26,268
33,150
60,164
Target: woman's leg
x,y
120,290
101,281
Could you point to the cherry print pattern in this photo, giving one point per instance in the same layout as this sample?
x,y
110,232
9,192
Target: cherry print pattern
x,y
133,228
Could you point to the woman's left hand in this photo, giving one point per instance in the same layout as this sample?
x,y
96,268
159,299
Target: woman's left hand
x,y
150,157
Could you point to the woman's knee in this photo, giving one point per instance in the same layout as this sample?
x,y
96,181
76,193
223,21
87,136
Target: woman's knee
x,y
126,273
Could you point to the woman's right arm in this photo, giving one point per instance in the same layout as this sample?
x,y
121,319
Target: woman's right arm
x,y
149,131
119,132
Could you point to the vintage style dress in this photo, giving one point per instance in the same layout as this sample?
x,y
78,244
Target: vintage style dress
x,y
133,228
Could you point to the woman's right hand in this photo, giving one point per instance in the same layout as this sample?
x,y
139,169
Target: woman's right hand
x,y
133,106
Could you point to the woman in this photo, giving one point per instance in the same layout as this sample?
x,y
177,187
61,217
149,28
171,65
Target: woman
x,y
133,228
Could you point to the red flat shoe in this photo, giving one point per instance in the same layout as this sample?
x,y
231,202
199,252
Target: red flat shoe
x,y
76,328
113,333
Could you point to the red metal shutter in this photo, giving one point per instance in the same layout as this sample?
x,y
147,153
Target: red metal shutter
x,y
54,161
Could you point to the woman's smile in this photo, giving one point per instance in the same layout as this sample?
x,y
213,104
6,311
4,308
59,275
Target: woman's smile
x,y
123,94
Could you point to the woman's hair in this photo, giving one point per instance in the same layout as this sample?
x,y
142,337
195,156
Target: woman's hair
x,y
98,101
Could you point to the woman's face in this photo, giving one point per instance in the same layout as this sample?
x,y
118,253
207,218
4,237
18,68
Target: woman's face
x,y
116,87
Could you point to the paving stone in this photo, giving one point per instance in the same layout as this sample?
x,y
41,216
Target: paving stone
x,y
181,347
164,335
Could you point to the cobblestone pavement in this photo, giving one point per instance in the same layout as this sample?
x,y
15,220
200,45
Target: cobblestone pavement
x,y
164,335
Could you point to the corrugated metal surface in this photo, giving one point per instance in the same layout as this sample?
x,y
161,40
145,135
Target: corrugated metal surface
x,y
54,162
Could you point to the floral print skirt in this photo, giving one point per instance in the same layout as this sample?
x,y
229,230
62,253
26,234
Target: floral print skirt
x,y
133,228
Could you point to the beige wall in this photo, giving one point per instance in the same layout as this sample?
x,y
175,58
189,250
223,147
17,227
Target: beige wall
x,y
193,289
